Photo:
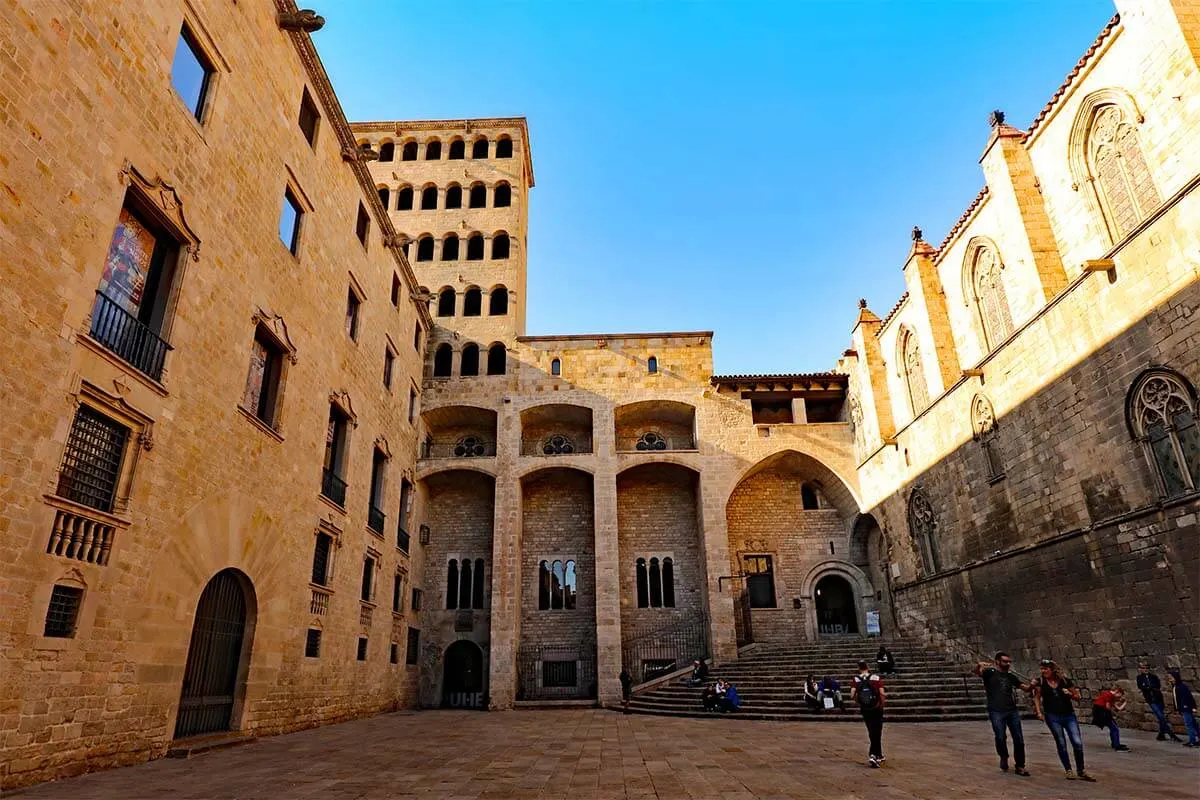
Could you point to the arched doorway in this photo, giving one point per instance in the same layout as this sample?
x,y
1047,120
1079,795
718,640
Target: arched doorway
x,y
217,656
834,599
462,676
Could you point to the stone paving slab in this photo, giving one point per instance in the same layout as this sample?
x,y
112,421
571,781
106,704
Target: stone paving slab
x,y
577,754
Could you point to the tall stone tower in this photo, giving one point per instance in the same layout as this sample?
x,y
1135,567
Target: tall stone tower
x,y
458,191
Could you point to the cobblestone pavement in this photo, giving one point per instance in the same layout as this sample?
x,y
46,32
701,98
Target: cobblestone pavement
x,y
592,753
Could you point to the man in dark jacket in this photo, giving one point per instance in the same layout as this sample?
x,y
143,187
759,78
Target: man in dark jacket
x,y
1151,689
1186,703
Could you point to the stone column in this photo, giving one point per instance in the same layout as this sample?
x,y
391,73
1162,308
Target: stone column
x,y
608,568
506,563
714,537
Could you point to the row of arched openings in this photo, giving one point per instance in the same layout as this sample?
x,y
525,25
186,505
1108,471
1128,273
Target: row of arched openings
x,y
557,585
447,302
465,583
456,149
655,583
443,360
451,250
476,196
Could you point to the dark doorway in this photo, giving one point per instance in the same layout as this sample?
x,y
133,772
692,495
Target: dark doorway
x,y
463,676
835,606
215,655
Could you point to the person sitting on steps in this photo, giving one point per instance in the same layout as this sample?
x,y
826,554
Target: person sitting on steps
x,y
885,662
812,693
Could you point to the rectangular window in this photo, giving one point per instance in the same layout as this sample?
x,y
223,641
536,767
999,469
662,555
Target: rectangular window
x,y
394,654
412,405
312,643
375,515
362,225
353,303
309,117
405,509
760,581
362,648
321,563
368,580
560,673
417,337
771,411
132,298
91,465
389,364
395,290
332,484
289,221
63,612
262,384
414,643
191,73
416,599
398,593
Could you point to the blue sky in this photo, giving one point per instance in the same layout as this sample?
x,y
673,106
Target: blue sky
x,y
751,168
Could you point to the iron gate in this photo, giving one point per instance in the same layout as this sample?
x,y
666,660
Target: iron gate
x,y
556,671
210,679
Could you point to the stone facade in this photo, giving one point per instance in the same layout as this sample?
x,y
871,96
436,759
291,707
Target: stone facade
x,y
982,469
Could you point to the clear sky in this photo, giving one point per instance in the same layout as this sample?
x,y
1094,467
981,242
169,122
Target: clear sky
x,y
751,168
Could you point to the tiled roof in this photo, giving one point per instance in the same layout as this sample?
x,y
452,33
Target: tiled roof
x,y
892,313
962,220
1072,75
796,376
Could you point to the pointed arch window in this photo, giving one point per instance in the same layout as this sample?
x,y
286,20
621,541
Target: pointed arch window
x,y
1118,167
983,425
991,302
913,372
922,526
1161,412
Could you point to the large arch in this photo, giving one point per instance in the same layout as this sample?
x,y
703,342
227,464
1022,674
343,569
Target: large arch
x,y
859,583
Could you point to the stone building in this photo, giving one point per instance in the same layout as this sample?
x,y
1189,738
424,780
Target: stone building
x,y
206,267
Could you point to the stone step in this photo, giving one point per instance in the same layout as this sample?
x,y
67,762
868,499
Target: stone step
x,y
817,718
197,745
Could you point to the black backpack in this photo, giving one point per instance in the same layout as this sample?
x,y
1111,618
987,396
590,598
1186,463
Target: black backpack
x,y
868,696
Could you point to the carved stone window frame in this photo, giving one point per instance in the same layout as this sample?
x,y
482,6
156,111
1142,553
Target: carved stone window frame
x,y
985,431
1156,391
275,330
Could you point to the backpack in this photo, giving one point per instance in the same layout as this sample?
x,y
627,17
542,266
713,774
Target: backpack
x,y
868,695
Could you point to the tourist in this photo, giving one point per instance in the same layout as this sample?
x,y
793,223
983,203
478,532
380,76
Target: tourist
x,y
885,662
1105,706
1001,686
812,693
626,688
831,693
867,689
1186,704
1151,689
699,674
730,701
1052,696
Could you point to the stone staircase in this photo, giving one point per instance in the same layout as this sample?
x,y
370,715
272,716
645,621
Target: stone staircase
x,y
770,681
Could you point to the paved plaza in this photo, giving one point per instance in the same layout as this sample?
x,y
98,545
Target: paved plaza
x,y
592,753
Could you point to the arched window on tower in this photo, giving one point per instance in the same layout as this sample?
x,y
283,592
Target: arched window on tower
x,y
502,195
446,302
808,497
480,148
452,584
385,197
504,147
1161,413
1118,167
643,584
478,586
652,365
475,247
429,198
465,584
655,584
478,197
668,582
473,302
387,151
409,153
499,246
404,198
498,302
443,361
454,196
555,367
913,372
458,150
987,290
433,152
450,247
425,248
469,367
497,359
922,526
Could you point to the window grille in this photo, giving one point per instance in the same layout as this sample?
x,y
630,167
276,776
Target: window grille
x,y
312,643
63,611
91,465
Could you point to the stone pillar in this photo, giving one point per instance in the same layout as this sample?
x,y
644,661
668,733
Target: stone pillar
x,y
714,537
799,411
874,401
608,567
925,293
506,564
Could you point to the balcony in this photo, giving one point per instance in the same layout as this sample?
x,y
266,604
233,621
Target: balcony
x,y
365,614
651,426
459,432
375,519
81,535
653,441
333,487
127,337
556,444
319,605
402,540
463,447
556,429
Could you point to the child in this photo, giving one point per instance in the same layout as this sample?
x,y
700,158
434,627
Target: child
x,y
1104,708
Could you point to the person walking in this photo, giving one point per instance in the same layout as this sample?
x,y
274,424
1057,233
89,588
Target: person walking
x,y
1105,706
1052,696
626,688
1186,703
867,690
1151,689
1001,686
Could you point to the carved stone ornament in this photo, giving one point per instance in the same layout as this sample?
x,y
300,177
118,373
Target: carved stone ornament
x,y
996,118
395,240
278,331
164,200
146,439
363,152
305,20
917,236
342,400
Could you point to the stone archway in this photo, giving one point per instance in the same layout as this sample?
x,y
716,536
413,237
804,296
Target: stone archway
x,y
463,676
833,599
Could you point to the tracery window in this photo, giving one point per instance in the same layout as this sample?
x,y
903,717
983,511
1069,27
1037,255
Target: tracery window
x,y
470,447
914,373
558,445
983,425
651,440
990,300
1162,416
655,581
1119,168
922,526
856,427
557,584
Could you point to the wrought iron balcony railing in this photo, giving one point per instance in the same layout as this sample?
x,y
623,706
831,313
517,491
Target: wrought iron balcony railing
x,y
465,447
333,487
654,442
128,337
556,445
375,519
402,540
